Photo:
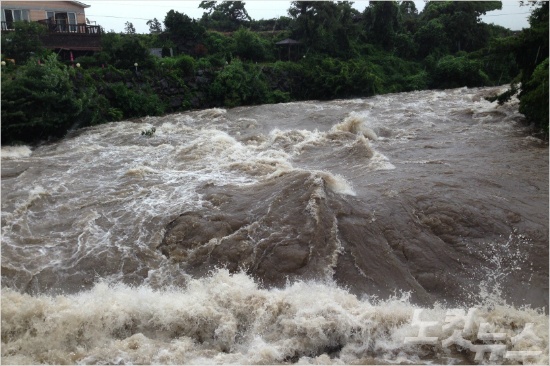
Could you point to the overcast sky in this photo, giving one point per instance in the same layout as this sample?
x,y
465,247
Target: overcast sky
x,y
113,15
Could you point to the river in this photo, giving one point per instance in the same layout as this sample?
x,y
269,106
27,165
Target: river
x,y
402,228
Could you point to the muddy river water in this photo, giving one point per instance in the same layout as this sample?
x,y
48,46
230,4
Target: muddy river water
x,y
402,228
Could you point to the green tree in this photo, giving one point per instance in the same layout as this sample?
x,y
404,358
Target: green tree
x,y
225,16
41,101
154,26
382,23
240,84
248,45
431,37
325,26
24,42
186,33
530,49
133,102
533,101
129,28
460,23
218,43
409,16
455,72
122,51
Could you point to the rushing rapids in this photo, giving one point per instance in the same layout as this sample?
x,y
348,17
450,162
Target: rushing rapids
x,y
405,228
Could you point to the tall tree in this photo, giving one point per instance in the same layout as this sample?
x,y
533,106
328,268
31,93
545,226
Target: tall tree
x,y
184,31
460,21
409,16
154,26
530,49
225,16
382,23
210,6
24,42
324,26
129,28
534,96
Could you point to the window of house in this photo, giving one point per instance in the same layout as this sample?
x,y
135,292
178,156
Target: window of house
x,y
13,15
62,21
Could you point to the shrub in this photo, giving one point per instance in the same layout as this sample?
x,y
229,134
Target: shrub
x,y
278,96
288,77
332,78
453,72
218,43
418,81
125,50
248,45
182,65
41,101
133,103
239,84
185,65
24,42
534,98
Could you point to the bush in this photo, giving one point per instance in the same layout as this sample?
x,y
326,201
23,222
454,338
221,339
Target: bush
x,y
239,84
287,77
332,78
186,65
203,64
41,101
431,38
133,103
396,74
24,42
418,81
218,43
534,97
125,50
278,96
182,65
454,72
249,46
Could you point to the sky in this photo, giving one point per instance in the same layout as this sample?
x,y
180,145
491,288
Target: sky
x,y
113,15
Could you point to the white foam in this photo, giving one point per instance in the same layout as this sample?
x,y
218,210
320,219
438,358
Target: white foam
x,y
356,124
337,183
380,162
15,152
140,171
226,318
212,113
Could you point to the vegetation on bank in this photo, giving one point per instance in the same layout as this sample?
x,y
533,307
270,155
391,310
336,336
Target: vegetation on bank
x,y
228,59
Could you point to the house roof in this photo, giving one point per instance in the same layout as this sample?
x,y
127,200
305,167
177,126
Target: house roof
x,y
288,41
31,4
80,4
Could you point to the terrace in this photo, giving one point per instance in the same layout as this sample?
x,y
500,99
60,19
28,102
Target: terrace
x,y
60,26
65,36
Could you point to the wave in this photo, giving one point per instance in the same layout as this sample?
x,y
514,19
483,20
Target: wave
x,y
227,318
15,152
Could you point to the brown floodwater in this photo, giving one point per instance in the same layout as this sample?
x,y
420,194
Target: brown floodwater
x,y
304,232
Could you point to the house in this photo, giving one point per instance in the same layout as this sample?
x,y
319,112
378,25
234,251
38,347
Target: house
x,y
68,31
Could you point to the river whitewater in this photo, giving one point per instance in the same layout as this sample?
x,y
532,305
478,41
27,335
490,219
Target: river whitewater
x,y
407,228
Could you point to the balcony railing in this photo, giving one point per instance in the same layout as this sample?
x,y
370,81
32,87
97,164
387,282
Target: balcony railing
x,y
61,26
